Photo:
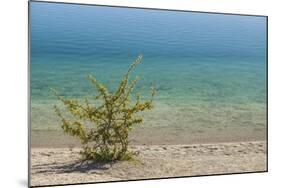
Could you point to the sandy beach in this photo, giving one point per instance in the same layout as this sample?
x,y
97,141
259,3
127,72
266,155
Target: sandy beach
x,y
62,165
165,152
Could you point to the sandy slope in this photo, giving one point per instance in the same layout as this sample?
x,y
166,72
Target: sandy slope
x,y
62,165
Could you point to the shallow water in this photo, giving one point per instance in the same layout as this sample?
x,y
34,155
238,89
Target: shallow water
x,y
209,69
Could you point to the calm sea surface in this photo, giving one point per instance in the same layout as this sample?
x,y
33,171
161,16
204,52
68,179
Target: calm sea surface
x,y
209,69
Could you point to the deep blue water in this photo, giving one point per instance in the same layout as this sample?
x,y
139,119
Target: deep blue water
x,y
209,69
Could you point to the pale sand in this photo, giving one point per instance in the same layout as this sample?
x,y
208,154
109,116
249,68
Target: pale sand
x,y
62,165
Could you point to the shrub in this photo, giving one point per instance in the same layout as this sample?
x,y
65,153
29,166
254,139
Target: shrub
x,y
106,139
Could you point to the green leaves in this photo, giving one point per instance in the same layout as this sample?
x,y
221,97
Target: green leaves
x,y
106,139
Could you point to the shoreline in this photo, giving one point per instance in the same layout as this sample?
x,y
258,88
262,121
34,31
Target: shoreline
x,y
63,165
159,136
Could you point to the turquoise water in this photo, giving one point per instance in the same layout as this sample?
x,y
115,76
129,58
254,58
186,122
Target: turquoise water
x,y
209,69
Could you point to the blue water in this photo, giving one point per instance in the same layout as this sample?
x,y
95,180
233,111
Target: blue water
x,y
209,69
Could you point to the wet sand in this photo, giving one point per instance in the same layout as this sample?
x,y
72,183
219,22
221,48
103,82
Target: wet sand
x,y
159,136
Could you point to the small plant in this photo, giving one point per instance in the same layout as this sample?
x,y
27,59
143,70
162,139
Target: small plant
x,y
106,139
